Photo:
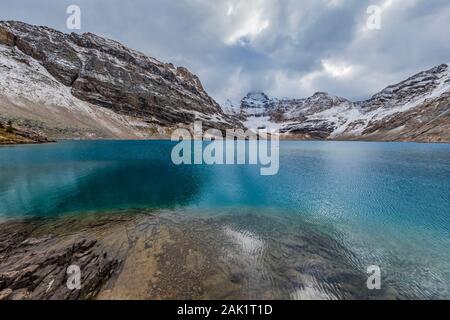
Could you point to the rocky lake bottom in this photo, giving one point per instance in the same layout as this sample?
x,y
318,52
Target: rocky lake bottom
x,y
168,255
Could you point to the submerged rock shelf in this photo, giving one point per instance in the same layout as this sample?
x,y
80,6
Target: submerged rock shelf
x,y
167,255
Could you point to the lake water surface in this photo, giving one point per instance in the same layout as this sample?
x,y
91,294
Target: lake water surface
x,y
387,203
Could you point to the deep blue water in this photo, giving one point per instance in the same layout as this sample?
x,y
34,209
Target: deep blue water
x,y
387,202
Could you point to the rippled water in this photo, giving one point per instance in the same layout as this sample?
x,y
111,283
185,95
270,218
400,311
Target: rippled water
x,y
388,204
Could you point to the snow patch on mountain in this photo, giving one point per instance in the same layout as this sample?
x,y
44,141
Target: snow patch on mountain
x,y
324,115
229,108
26,84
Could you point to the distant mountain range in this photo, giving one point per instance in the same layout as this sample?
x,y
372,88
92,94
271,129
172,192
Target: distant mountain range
x,y
417,109
88,87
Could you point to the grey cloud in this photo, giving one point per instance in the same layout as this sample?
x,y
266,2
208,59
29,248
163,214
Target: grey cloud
x,y
283,57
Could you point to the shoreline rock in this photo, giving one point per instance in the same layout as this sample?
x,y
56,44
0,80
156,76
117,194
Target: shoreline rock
x,y
21,136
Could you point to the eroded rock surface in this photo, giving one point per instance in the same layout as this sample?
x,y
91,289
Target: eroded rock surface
x,y
83,74
167,255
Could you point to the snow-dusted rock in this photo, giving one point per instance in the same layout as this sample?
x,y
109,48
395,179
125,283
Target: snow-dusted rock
x,y
86,86
229,108
417,109
92,75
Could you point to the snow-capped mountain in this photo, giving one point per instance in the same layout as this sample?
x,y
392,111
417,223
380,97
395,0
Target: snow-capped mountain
x,y
70,85
230,109
86,86
417,109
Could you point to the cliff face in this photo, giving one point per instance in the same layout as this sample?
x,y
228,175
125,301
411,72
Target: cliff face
x,y
130,93
417,109
86,86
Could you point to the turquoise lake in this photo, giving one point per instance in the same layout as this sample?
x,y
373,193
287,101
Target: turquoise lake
x,y
389,203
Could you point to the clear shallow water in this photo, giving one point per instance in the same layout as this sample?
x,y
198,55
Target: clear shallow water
x,y
388,203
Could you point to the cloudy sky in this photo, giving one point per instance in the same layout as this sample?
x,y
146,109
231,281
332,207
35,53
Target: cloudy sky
x,y
286,48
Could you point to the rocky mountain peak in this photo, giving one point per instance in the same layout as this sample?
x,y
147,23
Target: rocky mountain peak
x,y
190,78
409,90
107,74
320,101
230,108
421,101
255,100
320,95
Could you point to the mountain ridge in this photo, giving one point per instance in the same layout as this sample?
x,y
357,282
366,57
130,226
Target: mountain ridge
x,y
83,86
416,109
87,86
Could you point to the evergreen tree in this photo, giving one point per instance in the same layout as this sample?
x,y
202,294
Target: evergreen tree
x,y
9,127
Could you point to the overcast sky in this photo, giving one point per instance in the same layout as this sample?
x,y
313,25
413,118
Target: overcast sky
x,y
286,48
